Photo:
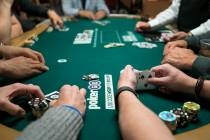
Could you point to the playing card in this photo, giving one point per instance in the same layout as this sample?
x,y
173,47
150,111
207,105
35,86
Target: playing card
x,y
142,80
52,96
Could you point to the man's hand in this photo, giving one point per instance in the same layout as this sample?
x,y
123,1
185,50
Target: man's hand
x,y
179,36
55,18
100,15
87,14
173,44
11,91
172,79
141,26
9,52
128,78
73,96
21,67
180,57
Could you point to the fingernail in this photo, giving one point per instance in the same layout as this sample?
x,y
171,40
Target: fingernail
x,y
21,113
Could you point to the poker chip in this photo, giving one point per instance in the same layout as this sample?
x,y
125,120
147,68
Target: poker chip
x,y
112,45
182,117
169,119
38,106
62,60
191,107
145,45
90,77
50,29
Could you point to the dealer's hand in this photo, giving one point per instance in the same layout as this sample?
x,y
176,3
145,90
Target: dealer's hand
x,y
87,14
140,26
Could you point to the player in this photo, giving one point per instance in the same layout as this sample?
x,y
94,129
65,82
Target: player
x,y
136,121
177,54
61,122
34,10
91,9
176,81
181,12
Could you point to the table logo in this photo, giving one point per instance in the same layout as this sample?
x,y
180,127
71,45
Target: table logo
x,y
109,92
94,87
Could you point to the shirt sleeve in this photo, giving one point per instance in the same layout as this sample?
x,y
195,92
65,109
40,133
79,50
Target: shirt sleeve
x,y
201,66
202,29
193,42
166,17
59,123
68,8
101,5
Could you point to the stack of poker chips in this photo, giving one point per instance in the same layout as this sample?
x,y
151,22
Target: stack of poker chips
x,y
169,119
187,114
90,77
38,106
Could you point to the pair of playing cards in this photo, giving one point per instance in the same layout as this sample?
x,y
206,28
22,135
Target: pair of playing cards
x,y
52,96
142,79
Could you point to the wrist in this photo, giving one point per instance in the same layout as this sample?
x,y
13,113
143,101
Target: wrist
x,y
191,61
190,85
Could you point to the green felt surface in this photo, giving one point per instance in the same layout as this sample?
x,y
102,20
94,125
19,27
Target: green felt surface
x,y
94,58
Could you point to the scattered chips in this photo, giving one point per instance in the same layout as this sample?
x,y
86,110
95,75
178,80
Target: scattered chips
x,y
113,45
90,77
145,45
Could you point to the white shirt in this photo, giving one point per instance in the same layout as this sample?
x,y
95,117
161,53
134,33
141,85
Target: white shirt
x,y
170,15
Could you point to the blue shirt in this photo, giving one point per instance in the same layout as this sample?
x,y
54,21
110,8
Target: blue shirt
x,y
72,7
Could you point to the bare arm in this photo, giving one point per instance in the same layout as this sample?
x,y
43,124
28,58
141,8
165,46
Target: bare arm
x,y
5,18
16,28
136,121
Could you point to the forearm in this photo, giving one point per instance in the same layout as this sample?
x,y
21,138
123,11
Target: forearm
x,y
166,17
57,123
201,66
137,122
5,24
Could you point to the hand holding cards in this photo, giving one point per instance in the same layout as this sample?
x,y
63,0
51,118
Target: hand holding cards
x,y
142,79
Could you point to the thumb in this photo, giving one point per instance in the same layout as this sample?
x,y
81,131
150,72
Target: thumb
x,y
13,109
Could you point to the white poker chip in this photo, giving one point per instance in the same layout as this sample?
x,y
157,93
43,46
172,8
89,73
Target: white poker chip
x,y
112,45
62,60
54,96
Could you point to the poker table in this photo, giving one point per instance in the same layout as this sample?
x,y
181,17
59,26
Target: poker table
x,y
101,119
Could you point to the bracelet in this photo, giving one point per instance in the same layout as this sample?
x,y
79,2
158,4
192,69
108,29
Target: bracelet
x,y
199,86
120,90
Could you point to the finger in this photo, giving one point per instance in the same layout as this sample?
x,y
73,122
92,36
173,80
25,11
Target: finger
x,y
40,67
28,89
40,57
161,81
75,89
65,89
12,109
83,92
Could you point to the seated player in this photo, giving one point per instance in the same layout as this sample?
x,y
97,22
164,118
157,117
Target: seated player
x,y
34,10
63,121
180,55
191,17
18,63
176,81
131,109
91,9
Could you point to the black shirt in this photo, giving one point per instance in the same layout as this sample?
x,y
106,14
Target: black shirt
x,y
193,13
